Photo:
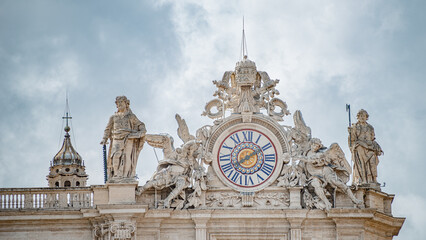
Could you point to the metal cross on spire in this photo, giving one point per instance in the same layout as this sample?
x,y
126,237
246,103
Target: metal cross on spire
x,y
67,117
244,51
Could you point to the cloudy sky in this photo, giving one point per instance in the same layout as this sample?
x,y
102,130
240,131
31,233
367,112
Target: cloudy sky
x,y
163,56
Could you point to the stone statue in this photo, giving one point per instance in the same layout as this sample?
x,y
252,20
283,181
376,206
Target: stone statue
x,y
179,168
365,150
327,168
127,136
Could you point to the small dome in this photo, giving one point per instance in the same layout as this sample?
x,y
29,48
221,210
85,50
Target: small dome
x,y
67,155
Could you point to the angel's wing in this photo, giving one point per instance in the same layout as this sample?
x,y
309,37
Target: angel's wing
x,y
226,77
183,130
300,124
264,76
337,158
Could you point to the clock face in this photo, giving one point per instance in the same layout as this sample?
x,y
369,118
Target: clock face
x,y
247,158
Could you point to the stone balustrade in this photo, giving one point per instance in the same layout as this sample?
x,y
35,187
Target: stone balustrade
x,y
46,198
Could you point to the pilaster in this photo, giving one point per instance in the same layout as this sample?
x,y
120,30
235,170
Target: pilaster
x,y
200,218
296,219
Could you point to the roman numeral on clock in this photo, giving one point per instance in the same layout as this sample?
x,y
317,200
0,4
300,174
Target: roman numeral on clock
x,y
257,140
235,138
267,169
259,178
225,146
248,136
235,176
270,157
226,157
248,180
266,146
226,167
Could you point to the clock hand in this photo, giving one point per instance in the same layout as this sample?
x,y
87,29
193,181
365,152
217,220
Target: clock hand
x,y
249,156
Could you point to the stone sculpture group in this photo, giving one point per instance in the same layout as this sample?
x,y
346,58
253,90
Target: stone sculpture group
x,y
179,168
186,173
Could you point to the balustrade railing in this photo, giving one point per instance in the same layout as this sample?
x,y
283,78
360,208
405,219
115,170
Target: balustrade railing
x,y
46,198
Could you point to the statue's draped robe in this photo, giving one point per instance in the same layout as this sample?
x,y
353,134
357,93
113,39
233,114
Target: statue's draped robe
x,y
125,131
364,153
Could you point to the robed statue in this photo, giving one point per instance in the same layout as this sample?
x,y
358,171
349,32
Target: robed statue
x,y
127,136
365,150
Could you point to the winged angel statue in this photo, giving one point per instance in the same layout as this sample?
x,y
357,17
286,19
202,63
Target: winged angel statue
x,y
180,169
320,170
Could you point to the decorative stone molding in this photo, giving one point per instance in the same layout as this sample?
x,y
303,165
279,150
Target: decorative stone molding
x,y
262,200
119,230
245,91
247,199
123,230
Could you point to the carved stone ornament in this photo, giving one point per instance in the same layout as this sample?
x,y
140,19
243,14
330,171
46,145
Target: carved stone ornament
x,y
122,230
236,200
245,91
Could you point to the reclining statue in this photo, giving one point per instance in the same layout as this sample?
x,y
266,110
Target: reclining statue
x,y
327,168
178,166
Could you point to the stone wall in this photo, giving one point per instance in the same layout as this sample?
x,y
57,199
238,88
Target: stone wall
x,y
115,213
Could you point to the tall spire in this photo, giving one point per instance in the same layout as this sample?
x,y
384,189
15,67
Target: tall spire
x,y
244,51
67,117
67,168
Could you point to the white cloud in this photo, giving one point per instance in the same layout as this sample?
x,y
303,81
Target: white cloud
x,y
413,208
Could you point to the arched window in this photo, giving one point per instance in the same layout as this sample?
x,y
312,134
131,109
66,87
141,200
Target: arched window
x,y
67,184
56,184
77,184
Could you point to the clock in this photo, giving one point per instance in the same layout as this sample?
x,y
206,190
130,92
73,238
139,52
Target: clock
x,y
248,157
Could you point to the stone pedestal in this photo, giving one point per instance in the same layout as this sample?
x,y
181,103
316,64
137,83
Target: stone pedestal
x,y
379,200
100,194
295,197
122,193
